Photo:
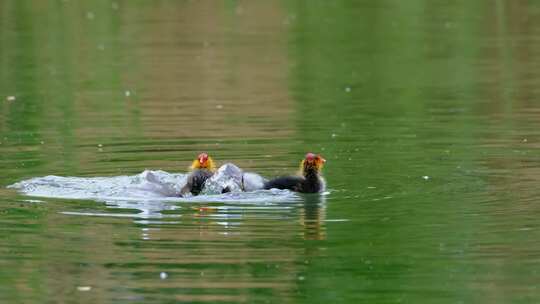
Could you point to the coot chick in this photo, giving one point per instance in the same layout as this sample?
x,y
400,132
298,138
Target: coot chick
x,y
308,181
202,169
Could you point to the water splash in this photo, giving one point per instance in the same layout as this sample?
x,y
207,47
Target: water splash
x,y
149,186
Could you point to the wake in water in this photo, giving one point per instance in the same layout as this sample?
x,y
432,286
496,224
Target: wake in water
x,y
155,186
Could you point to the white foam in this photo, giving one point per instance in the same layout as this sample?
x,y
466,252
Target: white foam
x,y
149,186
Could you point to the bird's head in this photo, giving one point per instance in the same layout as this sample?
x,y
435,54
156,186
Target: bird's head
x,y
203,161
312,162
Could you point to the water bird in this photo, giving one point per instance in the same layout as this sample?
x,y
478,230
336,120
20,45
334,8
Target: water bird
x,y
202,169
309,179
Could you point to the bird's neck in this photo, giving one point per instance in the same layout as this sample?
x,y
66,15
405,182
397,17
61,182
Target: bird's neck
x,y
209,166
311,173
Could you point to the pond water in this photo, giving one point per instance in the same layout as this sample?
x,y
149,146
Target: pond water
x,y
427,112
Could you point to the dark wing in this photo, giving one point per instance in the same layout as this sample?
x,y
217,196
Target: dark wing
x,y
285,182
195,181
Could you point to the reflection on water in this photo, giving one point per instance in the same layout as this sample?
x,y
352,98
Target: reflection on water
x,y
426,111
210,253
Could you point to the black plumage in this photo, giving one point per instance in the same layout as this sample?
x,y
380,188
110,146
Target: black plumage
x,y
284,182
195,181
309,183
